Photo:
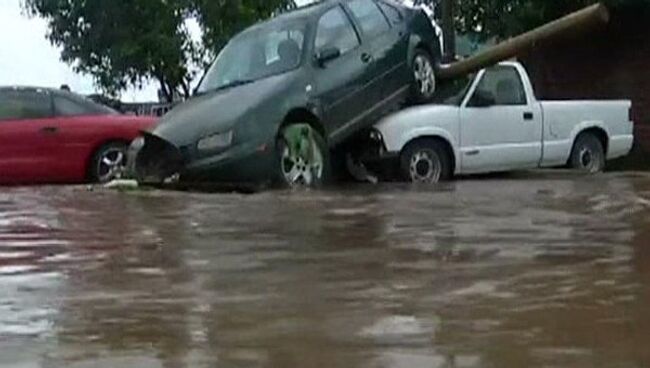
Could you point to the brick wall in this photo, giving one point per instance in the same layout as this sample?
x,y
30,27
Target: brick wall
x,y
609,63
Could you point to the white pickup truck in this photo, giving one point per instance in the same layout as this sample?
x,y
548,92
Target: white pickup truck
x,y
496,124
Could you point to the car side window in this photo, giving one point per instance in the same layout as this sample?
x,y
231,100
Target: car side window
x,y
335,30
23,105
503,85
66,107
391,13
372,20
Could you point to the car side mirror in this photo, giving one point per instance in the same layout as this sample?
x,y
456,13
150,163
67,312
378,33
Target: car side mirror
x,y
482,98
327,54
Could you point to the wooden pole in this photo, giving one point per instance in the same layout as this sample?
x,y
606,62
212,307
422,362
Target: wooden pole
x,y
584,19
449,30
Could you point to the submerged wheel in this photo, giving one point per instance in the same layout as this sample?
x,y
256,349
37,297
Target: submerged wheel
x,y
424,77
303,157
426,162
588,154
108,163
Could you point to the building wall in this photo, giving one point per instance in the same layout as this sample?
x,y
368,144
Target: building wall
x,y
609,63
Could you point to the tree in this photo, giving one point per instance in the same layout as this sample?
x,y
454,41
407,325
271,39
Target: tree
x,y
122,42
221,20
506,18
127,42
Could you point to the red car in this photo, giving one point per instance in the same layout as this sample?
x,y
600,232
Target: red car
x,y
54,136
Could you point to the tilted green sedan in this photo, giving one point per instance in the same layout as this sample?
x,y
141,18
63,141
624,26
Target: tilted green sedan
x,y
283,92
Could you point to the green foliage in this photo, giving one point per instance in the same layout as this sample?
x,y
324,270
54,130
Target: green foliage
x,y
222,19
505,18
127,42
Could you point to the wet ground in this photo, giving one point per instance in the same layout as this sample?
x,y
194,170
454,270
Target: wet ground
x,y
536,271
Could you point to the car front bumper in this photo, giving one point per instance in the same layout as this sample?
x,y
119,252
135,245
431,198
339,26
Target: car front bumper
x,y
156,160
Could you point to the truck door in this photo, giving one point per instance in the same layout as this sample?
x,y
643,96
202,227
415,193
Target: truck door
x,y
500,125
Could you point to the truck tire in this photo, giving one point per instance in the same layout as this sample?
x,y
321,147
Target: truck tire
x,y
425,161
424,77
588,154
303,158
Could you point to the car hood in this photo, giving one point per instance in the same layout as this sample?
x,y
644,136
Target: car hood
x,y
398,129
217,111
415,117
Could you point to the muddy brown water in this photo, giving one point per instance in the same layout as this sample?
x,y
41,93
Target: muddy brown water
x,y
548,271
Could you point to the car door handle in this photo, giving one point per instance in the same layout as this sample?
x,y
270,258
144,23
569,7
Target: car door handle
x,y
49,130
366,57
472,153
528,116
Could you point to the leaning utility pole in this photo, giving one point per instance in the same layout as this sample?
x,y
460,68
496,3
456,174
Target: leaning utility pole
x,y
449,30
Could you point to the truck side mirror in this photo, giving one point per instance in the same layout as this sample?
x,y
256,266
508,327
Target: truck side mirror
x,y
482,98
327,54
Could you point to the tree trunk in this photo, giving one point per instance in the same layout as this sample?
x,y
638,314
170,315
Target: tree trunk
x,y
449,30
166,91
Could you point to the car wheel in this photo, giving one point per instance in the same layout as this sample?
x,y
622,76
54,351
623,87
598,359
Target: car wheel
x,y
303,157
588,154
424,77
425,162
108,163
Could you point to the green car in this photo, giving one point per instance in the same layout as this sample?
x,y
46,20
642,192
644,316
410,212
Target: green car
x,y
284,92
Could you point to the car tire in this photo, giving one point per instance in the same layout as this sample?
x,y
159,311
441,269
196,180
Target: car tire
x,y
588,154
425,161
303,157
424,82
108,162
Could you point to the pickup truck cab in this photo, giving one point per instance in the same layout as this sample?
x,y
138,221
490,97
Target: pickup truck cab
x,y
497,124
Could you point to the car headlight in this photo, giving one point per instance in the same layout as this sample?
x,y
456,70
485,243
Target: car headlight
x,y
215,141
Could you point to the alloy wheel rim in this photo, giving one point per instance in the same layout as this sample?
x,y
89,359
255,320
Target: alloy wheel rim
x,y
302,169
111,164
425,167
424,75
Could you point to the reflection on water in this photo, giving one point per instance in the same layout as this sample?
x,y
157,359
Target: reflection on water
x,y
548,271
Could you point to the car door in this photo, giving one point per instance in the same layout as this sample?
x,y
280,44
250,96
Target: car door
x,y
77,132
501,127
388,45
339,83
27,136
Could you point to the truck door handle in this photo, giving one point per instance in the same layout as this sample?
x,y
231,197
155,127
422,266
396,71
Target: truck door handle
x,y
528,116
366,57
49,130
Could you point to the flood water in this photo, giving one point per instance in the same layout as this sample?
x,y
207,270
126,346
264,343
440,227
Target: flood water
x,y
547,271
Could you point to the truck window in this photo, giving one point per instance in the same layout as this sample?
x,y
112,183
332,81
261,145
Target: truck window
x,y
504,84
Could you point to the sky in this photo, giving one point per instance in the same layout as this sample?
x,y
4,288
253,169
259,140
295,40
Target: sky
x,y
27,58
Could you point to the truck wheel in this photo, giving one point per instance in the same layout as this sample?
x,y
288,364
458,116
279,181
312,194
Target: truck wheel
x,y
424,77
303,157
588,155
426,162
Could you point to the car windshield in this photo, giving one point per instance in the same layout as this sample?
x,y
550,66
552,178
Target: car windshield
x,y
259,53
